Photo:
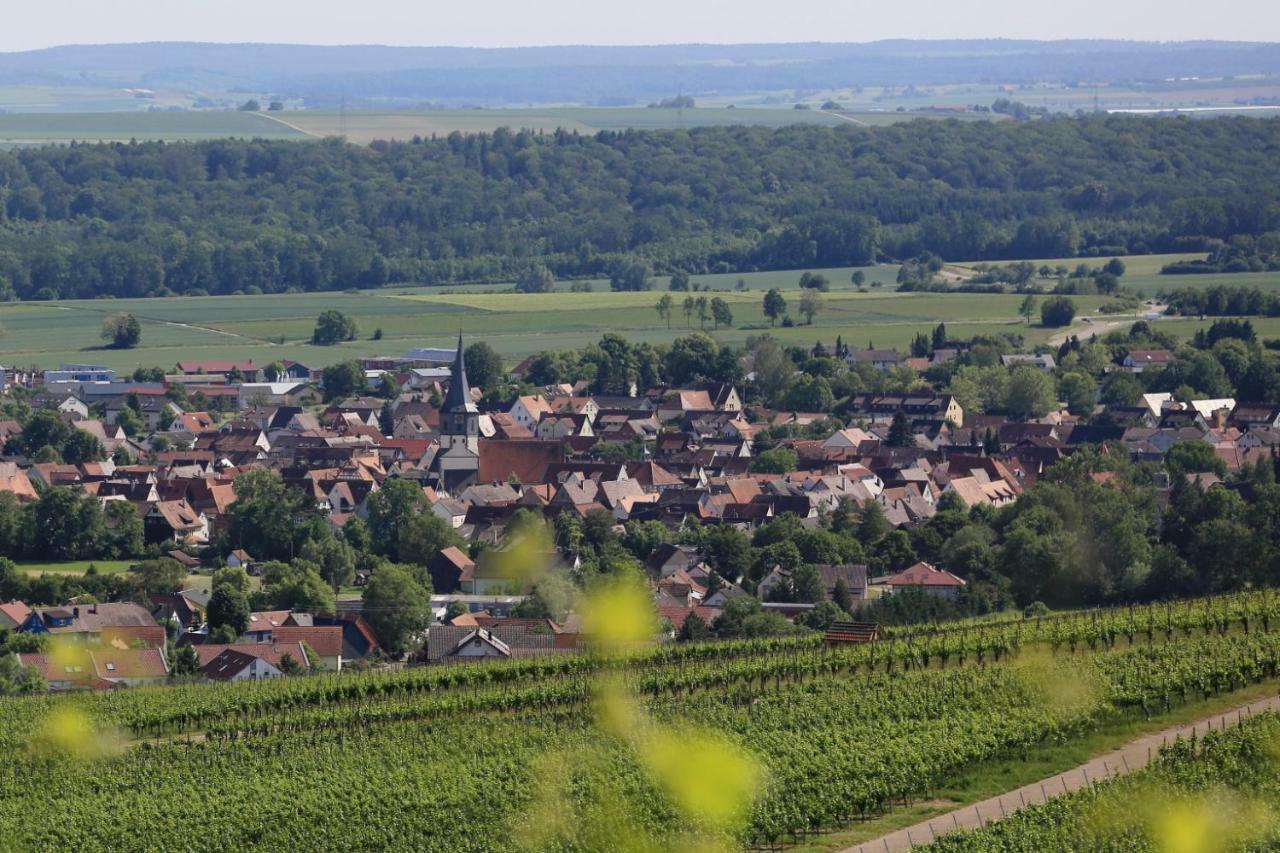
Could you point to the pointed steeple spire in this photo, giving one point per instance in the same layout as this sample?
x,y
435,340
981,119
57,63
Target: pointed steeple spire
x,y
458,397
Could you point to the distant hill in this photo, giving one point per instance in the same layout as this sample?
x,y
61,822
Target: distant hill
x,y
595,75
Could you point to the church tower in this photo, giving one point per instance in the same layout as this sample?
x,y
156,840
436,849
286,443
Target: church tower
x,y
458,460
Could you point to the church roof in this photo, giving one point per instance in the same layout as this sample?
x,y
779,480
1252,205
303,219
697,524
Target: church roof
x,y
458,397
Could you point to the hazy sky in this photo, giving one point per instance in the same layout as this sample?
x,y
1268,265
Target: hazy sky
x,y
501,23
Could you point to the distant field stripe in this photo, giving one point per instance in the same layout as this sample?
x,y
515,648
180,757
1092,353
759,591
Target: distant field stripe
x,y
269,117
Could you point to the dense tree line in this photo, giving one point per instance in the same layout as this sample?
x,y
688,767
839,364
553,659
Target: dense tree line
x,y
227,216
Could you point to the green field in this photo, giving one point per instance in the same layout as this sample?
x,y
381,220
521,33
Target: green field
x,y
77,567
271,327
32,128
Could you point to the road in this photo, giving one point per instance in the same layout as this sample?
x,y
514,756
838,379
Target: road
x,y
1096,328
1133,756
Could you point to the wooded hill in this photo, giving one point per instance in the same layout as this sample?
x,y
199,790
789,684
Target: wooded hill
x,y
226,216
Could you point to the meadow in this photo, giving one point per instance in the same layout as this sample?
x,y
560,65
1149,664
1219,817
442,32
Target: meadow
x,y
278,326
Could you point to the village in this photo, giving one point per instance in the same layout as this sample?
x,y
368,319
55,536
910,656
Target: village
x,y
664,459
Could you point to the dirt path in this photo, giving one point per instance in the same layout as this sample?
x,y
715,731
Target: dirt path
x,y
1133,756
1092,330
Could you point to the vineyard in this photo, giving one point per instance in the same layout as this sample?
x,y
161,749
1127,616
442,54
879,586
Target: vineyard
x,y
495,756
1215,793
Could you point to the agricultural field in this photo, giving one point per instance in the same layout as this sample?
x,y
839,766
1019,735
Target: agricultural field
x,y
35,128
267,328
366,126
363,126
279,326
699,746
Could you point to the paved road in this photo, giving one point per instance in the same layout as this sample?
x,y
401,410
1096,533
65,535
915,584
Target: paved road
x,y
1132,756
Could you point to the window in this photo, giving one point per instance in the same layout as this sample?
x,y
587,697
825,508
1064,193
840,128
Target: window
x,y
111,667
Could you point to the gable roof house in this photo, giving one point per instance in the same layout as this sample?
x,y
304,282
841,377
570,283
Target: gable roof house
x,y
231,664
91,621
1139,360
129,666
929,578
14,615
177,521
325,641
15,481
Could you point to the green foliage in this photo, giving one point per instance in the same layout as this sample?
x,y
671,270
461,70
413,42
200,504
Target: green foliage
x,y
780,460
342,380
536,279
300,586
1057,311
159,576
228,611
269,519
397,606
333,327
484,366
631,275
122,331
775,305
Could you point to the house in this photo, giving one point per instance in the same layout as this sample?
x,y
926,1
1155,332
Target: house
x,y
177,521
880,359
1043,361
258,394
478,644
16,482
247,370
89,621
184,610
239,559
848,439
79,373
151,409
14,615
130,667
324,641
451,570
668,559
272,660
233,665
71,670
928,578
263,624
528,410
855,633
1139,360
924,406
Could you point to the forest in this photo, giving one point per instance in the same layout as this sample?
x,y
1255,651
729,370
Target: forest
x,y
123,220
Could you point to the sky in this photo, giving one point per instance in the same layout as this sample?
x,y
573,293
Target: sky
x,y
507,23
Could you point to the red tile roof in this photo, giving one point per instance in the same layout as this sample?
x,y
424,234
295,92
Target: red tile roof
x,y
923,574
326,641
272,653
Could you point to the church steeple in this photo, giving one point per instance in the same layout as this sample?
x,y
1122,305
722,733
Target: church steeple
x,y
458,398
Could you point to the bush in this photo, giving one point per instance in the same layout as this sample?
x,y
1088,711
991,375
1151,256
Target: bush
x,y
1057,311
